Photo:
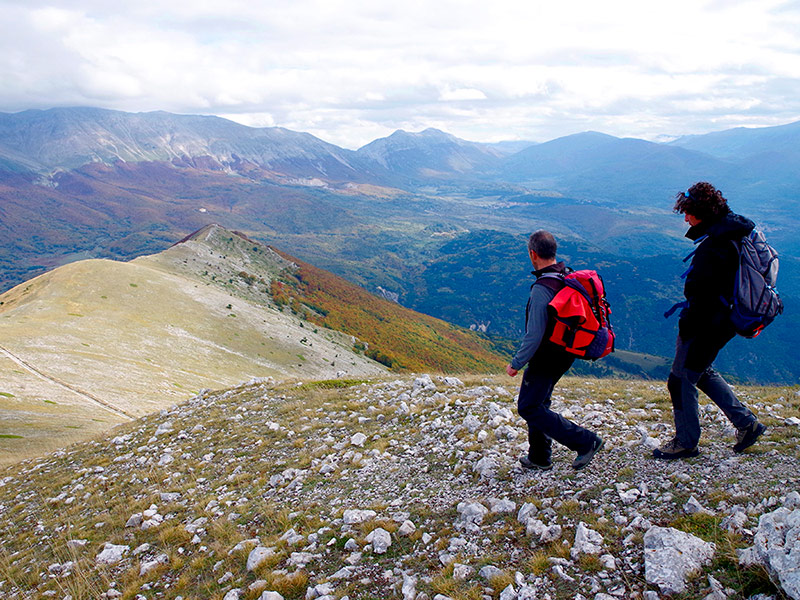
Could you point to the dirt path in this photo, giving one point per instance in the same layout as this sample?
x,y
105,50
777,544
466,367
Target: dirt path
x,y
85,395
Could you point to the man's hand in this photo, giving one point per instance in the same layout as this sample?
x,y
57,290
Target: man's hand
x,y
512,372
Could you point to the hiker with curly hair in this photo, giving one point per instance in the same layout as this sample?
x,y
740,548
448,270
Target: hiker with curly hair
x,y
705,325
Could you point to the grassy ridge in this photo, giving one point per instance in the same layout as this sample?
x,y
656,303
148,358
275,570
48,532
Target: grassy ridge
x,y
395,336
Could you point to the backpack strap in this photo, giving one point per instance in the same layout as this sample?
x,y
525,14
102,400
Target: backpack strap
x,y
675,307
551,280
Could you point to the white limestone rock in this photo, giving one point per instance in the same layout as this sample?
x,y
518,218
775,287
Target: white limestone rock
x,y
111,554
407,528
380,540
508,593
486,467
470,515
489,571
587,541
257,556
526,511
671,555
149,565
550,534
423,383
471,423
693,507
355,516
462,572
776,546
501,505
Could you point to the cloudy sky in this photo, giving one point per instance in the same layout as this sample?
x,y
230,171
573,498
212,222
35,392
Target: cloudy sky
x,y
350,71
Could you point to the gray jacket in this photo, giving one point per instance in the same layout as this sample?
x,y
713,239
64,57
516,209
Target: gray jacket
x,y
537,316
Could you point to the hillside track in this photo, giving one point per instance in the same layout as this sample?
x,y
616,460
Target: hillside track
x,y
85,395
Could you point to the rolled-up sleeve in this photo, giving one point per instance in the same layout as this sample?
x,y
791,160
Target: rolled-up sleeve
x,y
537,325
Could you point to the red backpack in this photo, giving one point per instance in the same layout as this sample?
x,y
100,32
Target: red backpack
x,y
581,315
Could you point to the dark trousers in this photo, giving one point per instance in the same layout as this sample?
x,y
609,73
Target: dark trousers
x,y
544,370
691,370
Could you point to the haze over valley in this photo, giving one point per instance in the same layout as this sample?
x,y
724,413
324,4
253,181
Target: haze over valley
x,y
431,221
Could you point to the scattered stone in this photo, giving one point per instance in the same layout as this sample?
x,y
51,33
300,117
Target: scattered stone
x,y
550,534
693,507
409,589
489,571
406,529
380,540
776,546
423,383
111,554
299,559
471,423
355,516
462,572
470,515
609,562
498,505
587,541
257,557
165,427
735,521
526,511
149,565
486,468
671,555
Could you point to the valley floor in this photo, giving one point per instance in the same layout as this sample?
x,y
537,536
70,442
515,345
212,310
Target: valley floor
x,y
320,476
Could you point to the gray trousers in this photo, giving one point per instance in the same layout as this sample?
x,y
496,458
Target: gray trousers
x,y
683,384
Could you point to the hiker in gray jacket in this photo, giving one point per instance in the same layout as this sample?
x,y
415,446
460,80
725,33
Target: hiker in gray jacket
x,y
546,364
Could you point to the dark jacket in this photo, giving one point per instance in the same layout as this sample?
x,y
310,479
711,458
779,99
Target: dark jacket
x,y
710,279
538,325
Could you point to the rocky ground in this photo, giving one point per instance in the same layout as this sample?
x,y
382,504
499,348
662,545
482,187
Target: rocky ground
x,y
403,488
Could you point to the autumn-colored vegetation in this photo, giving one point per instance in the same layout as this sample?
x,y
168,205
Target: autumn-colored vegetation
x,y
400,338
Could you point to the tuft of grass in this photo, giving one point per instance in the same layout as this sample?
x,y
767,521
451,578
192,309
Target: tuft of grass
x,y
539,563
704,526
331,384
590,563
291,586
626,473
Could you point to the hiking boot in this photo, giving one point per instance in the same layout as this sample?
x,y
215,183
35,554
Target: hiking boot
x,y
584,459
673,450
747,437
529,464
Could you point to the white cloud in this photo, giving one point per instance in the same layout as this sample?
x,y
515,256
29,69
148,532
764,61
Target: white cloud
x,y
350,71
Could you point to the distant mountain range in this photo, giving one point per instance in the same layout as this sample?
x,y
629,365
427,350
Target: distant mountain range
x,y
83,183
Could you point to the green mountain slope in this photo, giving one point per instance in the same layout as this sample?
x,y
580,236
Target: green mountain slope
x,y
96,342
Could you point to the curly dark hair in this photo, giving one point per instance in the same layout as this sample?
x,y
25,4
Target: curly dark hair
x,y
703,201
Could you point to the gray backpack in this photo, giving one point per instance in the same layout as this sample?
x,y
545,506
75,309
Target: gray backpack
x,y
755,302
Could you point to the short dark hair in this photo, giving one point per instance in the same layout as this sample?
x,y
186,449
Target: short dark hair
x,y
703,201
543,243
